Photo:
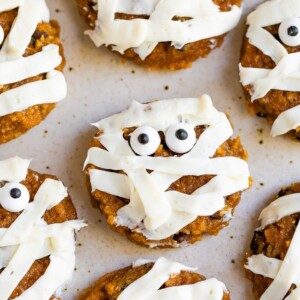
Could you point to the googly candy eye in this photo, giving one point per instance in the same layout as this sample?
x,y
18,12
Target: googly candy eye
x,y
14,197
289,32
181,138
145,140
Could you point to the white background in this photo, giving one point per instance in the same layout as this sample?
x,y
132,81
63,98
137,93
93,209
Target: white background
x,y
100,84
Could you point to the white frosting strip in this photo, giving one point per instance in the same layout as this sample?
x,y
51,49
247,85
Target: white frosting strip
x,y
285,76
17,70
287,120
14,169
226,166
169,212
280,208
263,265
33,93
15,67
205,21
44,232
273,12
148,286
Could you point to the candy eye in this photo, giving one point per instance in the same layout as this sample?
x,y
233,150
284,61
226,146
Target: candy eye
x,y
289,32
181,138
145,140
14,197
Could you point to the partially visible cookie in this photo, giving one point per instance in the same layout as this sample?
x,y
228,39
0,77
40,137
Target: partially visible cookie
x,y
269,69
38,222
273,261
159,34
31,64
166,173
163,279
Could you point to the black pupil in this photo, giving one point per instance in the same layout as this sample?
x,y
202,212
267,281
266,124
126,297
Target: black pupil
x,y
181,134
293,31
15,193
143,138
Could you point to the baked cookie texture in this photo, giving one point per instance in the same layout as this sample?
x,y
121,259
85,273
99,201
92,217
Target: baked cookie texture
x,y
110,205
62,214
277,100
15,124
111,285
273,241
164,56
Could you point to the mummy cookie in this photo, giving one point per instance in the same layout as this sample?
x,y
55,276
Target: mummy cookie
x,y
163,279
160,34
37,233
273,260
270,64
166,173
31,63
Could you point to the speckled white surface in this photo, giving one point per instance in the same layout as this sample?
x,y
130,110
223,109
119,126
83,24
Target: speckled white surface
x,y
99,85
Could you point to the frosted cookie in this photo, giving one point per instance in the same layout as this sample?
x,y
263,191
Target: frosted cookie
x,y
31,63
274,257
166,173
161,280
270,69
160,34
37,233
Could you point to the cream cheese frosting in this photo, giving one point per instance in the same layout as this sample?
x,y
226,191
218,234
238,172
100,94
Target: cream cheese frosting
x,y
287,272
205,20
15,67
153,210
286,74
148,286
30,238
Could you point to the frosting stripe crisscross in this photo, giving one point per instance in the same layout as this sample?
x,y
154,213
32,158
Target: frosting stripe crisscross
x,y
15,67
286,272
154,210
205,20
30,238
286,75
148,286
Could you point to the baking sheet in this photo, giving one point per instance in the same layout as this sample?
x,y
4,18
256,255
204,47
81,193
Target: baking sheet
x,y
101,84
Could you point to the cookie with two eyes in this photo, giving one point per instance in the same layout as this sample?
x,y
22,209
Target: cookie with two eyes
x,y
166,173
38,222
270,65
163,34
163,279
273,261
31,64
